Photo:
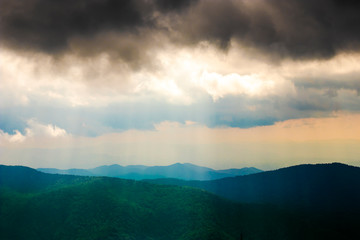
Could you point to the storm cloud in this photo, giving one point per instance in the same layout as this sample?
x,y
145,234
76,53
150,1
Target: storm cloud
x,y
48,25
296,29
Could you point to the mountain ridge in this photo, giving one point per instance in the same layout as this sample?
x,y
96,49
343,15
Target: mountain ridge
x,y
185,171
36,205
333,185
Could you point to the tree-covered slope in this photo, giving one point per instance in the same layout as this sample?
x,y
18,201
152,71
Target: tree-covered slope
x,y
322,186
67,207
25,179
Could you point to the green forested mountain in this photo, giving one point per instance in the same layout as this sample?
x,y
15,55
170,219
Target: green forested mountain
x,y
36,205
321,186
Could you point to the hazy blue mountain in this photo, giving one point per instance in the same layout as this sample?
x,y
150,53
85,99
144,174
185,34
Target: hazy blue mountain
x,y
320,186
185,171
115,170
72,171
35,205
182,171
240,172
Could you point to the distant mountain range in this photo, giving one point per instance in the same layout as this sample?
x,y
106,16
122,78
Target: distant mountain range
x,y
36,205
184,171
321,186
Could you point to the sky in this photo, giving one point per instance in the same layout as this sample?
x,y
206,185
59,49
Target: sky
x,y
220,83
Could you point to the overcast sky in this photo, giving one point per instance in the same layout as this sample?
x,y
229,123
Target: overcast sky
x,y
218,83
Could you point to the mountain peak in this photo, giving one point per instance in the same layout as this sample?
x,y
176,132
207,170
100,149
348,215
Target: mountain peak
x,y
184,164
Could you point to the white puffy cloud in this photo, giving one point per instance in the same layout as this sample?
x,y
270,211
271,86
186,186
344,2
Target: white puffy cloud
x,y
12,138
178,75
253,85
198,83
47,130
34,130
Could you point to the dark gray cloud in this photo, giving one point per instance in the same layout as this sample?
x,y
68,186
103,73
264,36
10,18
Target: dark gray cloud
x,y
84,27
48,25
299,29
173,5
126,30
331,85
